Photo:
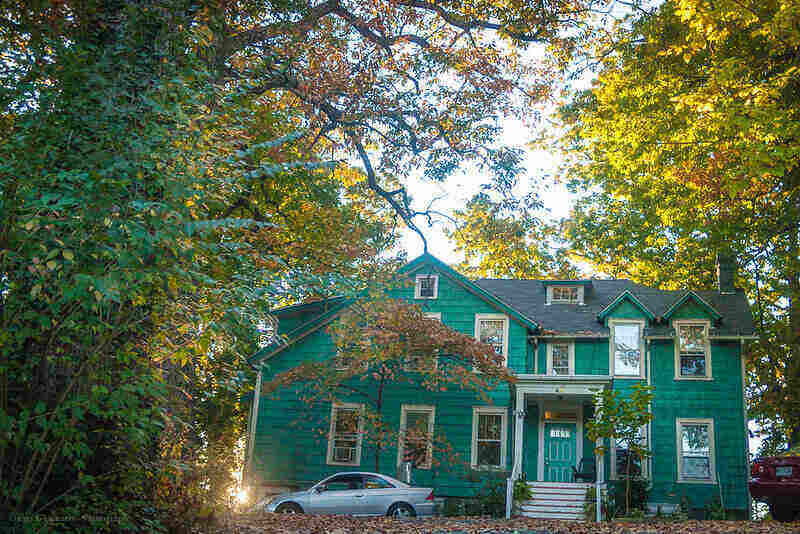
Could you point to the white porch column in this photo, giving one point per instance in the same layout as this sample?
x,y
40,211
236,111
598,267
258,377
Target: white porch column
x,y
519,418
600,468
600,464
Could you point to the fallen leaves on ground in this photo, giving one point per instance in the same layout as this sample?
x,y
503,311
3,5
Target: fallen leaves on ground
x,y
307,524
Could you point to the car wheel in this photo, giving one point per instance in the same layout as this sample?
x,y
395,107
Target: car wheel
x,y
781,511
288,508
400,510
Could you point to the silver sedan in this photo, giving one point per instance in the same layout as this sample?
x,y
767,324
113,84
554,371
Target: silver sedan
x,y
357,494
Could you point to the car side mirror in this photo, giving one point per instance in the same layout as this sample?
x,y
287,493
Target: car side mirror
x,y
320,488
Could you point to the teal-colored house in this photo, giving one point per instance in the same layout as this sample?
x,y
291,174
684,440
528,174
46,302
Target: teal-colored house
x,y
563,339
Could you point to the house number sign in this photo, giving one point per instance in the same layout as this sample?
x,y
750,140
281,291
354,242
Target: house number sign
x,y
559,433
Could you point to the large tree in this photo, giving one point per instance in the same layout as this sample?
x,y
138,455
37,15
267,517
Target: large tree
x,y
509,238
148,220
686,147
161,184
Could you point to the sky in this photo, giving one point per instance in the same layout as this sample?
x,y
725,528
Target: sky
x,y
457,190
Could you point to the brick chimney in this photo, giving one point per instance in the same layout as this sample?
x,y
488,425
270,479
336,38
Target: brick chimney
x,y
726,271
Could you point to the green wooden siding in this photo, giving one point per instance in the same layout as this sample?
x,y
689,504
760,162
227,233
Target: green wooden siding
x,y
530,443
690,310
719,399
625,310
291,438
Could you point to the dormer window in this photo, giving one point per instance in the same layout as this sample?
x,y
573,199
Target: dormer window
x,y
564,294
567,294
426,287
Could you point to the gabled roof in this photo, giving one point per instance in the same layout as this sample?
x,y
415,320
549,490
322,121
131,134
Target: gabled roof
x,y
301,331
308,306
625,295
474,288
529,296
695,297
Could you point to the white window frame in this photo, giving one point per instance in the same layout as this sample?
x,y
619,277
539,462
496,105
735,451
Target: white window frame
x,y
404,409
494,317
417,286
712,454
406,365
706,331
612,323
571,351
549,296
477,411
345,405
644,461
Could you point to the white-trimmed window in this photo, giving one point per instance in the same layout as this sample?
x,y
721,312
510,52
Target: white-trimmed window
x,y
492,329
412,363
692,350
557,294
489,431
696,450
416,435
426,286
344,438
560,358
620,453
627,348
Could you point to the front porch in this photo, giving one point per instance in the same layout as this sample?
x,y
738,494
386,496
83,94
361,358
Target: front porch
x,y
550,442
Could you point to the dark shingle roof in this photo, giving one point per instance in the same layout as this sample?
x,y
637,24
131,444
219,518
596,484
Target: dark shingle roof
x,y
528,296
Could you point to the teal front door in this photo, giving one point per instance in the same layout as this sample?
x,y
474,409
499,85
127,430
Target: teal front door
x,y
559,451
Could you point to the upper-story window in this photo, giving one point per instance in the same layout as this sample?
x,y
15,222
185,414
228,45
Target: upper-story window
x,y
557,294
560,358
492,329
692,350
627,348
415,363
567,294
427,286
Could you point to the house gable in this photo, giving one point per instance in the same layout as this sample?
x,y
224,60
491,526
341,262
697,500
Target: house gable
x,y
625,306
691,306
428,264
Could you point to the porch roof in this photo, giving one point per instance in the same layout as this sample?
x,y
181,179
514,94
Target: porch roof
x,y
548,385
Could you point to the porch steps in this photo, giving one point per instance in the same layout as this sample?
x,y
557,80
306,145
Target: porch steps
x,y
555,500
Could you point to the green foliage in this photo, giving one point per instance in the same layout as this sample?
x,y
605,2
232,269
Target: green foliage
x,y
638,494
522,491
715,510
508,239
685,147
608,507
620,420
490,498
149,217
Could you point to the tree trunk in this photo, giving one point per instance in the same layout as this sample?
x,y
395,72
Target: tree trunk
x,y
628,483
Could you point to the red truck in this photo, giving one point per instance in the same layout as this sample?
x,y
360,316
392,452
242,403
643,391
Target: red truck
x,y
776,481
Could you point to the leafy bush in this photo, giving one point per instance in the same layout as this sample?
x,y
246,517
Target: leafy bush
x,y
490,499
608,507
522,491
639,493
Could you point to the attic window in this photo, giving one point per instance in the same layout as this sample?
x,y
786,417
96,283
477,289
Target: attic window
x,y
426,287
565,294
